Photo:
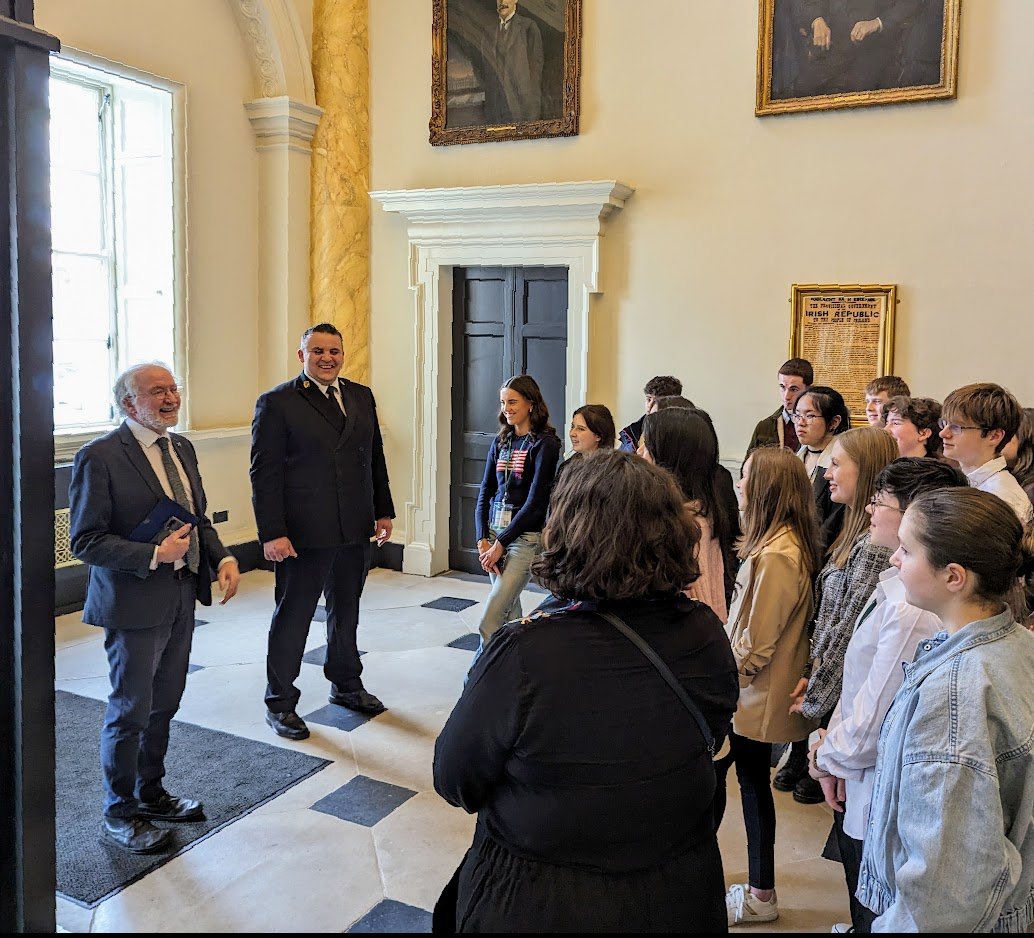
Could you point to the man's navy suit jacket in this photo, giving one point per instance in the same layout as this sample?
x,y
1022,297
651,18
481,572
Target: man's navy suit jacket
x,y
113,489
312,481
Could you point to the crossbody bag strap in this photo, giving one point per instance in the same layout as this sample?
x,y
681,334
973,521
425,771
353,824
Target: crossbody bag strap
x,y
636,639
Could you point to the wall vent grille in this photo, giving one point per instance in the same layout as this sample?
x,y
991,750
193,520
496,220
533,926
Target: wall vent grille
x,y
62,540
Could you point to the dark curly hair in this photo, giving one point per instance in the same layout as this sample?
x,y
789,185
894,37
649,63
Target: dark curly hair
x,y
617,529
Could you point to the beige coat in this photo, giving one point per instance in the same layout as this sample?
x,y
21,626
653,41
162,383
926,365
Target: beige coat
x,y
768,629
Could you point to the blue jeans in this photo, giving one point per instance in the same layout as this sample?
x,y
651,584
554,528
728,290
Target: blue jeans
x,y
504,602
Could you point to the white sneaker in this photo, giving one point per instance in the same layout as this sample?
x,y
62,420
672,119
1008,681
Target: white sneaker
x,y
842,928
744,908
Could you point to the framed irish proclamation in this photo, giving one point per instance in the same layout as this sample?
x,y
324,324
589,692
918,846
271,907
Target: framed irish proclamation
x,y
847,333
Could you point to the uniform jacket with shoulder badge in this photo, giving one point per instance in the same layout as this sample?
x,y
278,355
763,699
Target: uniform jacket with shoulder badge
x,y
312,481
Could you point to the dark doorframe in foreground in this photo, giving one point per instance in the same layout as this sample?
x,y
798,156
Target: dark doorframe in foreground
x,y
27,853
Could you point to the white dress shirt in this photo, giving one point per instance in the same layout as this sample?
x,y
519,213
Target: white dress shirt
x,y
338,397
886,634
994,477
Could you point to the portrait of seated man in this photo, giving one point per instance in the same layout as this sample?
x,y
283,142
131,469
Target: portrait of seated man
x,y
823,47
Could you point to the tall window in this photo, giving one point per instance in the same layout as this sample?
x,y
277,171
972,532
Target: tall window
x,y
113,237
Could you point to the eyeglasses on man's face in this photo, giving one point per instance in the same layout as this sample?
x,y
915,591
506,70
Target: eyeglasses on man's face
x,y
955,427
158,391
874,503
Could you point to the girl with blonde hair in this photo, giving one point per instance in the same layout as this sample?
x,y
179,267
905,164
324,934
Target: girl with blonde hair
x,y
780,552
852,571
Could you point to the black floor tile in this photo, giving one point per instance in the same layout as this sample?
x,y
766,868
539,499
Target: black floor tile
x,y
363,801
391,917
450,604
318,656
341,718
467,642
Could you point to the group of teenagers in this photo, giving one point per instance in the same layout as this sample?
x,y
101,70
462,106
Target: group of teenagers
x,y
865,590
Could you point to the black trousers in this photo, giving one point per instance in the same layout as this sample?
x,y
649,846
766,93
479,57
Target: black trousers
x,y
850,851
339,573
753,771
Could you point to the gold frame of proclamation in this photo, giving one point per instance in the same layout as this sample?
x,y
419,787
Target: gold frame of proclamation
x,y
912,55
847,332
485,87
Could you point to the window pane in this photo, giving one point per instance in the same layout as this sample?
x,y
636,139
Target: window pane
x,y
82,297
147,223
82,383
75,126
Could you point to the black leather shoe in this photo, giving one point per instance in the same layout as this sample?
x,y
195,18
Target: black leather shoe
x,y
170,808
794,769
289,725
808,791
360,700
134,834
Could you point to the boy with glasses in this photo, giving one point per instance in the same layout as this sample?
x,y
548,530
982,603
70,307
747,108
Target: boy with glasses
x,y
977,421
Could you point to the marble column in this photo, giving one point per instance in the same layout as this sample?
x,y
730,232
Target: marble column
x,y
340,247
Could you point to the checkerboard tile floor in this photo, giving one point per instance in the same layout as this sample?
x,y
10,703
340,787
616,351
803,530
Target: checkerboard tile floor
x,y
365,845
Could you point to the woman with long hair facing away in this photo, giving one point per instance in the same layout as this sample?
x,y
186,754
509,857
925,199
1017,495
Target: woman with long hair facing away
x,y
768,630
590,774
514,496
683,443
950,842
852,571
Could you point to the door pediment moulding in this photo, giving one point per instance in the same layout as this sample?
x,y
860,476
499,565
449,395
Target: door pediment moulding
x,y
542,224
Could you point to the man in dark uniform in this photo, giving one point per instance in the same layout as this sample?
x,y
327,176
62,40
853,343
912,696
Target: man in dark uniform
x,y
320,491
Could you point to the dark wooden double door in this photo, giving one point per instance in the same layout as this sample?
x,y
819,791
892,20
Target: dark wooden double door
x,y
506,321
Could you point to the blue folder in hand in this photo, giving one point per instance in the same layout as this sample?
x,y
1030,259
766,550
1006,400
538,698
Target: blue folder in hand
x,y
164,519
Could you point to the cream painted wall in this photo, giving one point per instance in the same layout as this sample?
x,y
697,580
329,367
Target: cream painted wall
x,y
730,209
197,43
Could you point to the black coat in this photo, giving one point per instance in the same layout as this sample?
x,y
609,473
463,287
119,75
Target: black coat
x,y
311,482
592,791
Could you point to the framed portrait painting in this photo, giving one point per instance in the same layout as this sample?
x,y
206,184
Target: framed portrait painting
x,y
847,333
819,54
504,70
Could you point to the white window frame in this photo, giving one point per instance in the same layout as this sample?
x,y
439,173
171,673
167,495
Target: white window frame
x,y
67,443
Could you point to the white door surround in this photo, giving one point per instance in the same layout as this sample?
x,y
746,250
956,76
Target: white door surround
x,y
548,224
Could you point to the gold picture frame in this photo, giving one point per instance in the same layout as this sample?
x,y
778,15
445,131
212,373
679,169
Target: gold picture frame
x,y
847,333
518,82
911,53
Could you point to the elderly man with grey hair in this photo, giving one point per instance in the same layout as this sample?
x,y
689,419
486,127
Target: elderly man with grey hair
x,y
142,591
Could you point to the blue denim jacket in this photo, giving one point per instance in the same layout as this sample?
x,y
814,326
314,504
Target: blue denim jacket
x,y
950,842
